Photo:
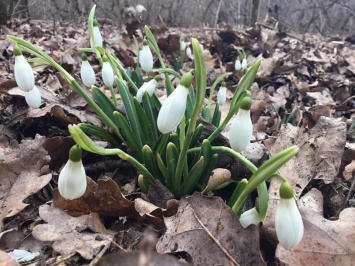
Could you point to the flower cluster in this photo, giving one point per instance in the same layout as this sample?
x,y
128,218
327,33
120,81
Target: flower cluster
x,y
25,79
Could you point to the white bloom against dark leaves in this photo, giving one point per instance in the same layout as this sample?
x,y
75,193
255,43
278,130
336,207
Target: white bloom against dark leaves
x,y
188,51
222,94
72,179
237,65
23,72
241,129
183,45
148,87
244,64
87,73
288,220
173,109
98,37
146,57
107,72
33,97
249,217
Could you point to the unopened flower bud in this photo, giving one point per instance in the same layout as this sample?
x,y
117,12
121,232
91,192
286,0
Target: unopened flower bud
x,y
146,58
23,72
87,73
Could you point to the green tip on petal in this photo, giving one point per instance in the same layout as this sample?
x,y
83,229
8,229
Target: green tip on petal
x,y
245,104
286,191
17,50
145,41
157,78
104,58
223,84
75,153
186,79
84,57
95,23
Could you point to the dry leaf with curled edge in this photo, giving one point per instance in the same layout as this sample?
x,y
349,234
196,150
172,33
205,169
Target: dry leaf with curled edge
x,y
6,260
349,170
207,229
219,176
324,242
21,176
85,234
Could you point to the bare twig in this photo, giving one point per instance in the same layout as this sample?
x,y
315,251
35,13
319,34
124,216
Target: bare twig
x,y
217,14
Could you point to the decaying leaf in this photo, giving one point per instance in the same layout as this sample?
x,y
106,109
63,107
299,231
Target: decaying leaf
x,y
85,234
324,242
6,260
219,176
210,231
349,170
21,175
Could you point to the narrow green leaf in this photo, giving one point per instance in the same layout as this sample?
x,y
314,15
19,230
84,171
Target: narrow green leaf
x,y
168,71
101,133
103,102
208,169
146,134
191,181
237,192
160,145
172,156
162,167
216,119
152,117
206,114
196,136
151,163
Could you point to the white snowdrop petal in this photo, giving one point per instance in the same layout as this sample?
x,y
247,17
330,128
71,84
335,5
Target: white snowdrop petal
x,y
147,86
23,74
241,131
182,46
146,59
237,65
33,98
87,74
249,217
72,180
222,95
244,63
98,38
172,110
107,74
188,51
288,223
21,255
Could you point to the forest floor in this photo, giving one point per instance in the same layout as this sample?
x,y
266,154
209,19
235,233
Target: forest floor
x,y
303,95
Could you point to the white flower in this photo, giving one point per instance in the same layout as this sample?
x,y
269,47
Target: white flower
x,y
172,110
188,51
244,64
241,130
222,95
183,46
98,38
33,97
87,74
238,65
23,74
249,217
288,220
146,59
72,180
107,74
147,86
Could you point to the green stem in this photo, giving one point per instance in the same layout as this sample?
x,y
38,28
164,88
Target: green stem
x,y
113,96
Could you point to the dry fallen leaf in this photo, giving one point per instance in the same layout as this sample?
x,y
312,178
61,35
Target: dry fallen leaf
x,y
218,177
324,242
349,170
85,234
210,232
21,176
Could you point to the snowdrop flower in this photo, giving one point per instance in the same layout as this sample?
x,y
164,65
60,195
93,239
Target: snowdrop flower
x,y
107,72
148,87
72,179
288,220
222,94
33,97
146,57
23,72
241,129
87,73
188,51
237,65
244,63
173,109
182,45
97,36
249,217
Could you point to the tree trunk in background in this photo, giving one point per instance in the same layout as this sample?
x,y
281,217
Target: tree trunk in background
x,y
254,12
21,9
6,8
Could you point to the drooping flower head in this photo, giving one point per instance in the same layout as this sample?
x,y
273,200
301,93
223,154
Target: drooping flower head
x,y
250,217
107,72
188,51
244,63
72,179
173,109
87,73
33,98
222,94
23,72
148,87
146,57
241,129
97,36
288,220
237,65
